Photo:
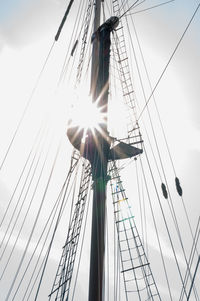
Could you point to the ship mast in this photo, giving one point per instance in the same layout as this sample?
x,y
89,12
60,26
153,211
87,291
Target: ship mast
x,y
95,147
99,78
99,197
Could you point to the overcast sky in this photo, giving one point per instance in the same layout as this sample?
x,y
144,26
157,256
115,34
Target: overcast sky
x,y
27,30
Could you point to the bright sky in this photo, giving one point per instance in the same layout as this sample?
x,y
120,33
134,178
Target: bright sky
x,y
27,30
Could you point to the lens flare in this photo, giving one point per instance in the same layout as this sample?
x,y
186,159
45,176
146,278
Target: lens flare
x,y
86,115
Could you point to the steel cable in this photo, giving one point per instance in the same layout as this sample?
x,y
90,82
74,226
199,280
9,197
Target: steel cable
x,y
165,222
33,228
20,177
169,61
27,106
21,193
64,188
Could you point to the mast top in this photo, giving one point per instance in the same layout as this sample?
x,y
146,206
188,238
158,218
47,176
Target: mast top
x,y
110,24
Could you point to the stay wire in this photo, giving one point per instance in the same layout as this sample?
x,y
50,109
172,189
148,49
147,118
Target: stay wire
x,y
74,34
169,61
191,257
193,278
150,8
162,127
73,198
117,249
145,219
144,95
161,162
132,6
153,96
80,62
40,268
27,106
64,187
58,284
25,216
33,228
85,40
140,3
73,63
140,202
20,196
122,4
156,229
41,172
165,222
20,177
144,275
61,274
63,205
64,191
52,214
81,249
67,263
49,249
155,139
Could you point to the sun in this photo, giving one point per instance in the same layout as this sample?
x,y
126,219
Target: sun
x,y
86,114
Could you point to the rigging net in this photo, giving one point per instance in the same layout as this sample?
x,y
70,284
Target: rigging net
x,y
123,67
137,275
61,286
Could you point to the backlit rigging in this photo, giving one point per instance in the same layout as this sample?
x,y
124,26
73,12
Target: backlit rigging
x,y
31,177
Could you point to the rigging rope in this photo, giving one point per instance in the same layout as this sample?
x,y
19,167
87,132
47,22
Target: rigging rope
x,y
166,226
81,249
74,37
20,196
56,226
25,217
20,177
192,253
33,228
140,202
65,200
27,106
132,6
149,8
169,61
162,167
157,235
163,185
130,242
64,272
163,132
52,214
193,279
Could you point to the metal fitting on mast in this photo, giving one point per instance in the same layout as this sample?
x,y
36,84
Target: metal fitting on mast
x,y
110,24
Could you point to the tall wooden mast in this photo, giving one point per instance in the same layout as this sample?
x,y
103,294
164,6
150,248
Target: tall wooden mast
x,y
99,154
96,148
